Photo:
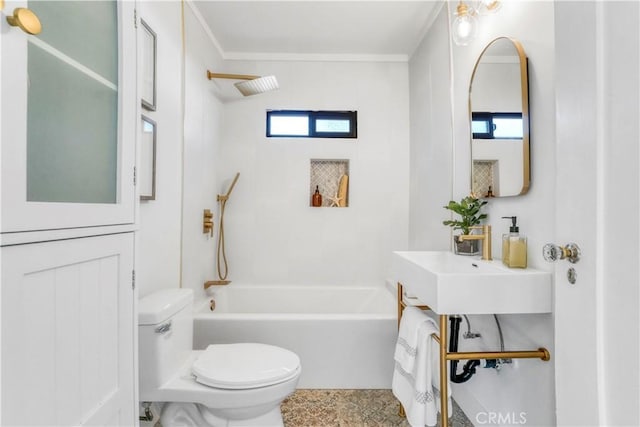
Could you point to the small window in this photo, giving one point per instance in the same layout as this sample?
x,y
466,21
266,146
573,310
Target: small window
x,y
312,124
507,127
496,125
290,125
481,125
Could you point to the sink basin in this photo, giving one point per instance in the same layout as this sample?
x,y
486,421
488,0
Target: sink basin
x,y
455,284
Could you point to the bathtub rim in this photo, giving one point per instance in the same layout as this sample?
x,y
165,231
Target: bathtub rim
x,y
201,305
291,316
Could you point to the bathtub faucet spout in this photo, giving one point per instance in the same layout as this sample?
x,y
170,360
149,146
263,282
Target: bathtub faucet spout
x,y
210,283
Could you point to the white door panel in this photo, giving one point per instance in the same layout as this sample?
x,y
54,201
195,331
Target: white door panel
x,y
67,332
596,319
576,358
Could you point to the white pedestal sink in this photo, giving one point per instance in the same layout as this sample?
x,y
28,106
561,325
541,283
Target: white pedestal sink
x,y
455,284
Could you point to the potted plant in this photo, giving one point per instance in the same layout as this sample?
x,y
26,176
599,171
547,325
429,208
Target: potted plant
x,y
469,211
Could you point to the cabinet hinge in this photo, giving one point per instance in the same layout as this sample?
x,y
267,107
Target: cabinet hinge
x,y
134,176
133,279
135,18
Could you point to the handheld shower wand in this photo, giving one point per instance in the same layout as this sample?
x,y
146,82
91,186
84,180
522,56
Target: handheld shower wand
x,y
221,257
223,198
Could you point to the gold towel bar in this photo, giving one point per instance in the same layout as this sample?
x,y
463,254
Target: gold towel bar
x,y
436,337
541,353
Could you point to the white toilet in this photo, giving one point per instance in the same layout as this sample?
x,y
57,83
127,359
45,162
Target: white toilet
x,y
225,385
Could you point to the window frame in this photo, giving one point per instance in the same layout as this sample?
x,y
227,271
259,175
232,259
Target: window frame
x,y
489,118
314,116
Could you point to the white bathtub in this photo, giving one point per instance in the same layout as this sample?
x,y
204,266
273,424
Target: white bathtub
x,y
344,336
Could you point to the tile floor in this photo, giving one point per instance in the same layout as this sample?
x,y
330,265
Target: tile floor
x,y
350,408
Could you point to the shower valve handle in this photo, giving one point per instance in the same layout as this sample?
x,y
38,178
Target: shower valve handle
x,y
207,222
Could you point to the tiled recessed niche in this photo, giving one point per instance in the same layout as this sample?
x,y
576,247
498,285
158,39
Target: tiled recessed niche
x,y
327,174
484,178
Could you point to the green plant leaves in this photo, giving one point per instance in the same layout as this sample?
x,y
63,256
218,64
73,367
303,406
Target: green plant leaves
x,y
469,211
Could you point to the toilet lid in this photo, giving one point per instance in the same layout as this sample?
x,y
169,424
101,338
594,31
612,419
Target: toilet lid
x,y
245,365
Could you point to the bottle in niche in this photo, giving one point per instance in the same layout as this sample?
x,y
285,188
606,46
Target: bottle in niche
x,y
316,199
489,193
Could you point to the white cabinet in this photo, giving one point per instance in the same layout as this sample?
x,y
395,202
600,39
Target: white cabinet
x,y
69,114
68,333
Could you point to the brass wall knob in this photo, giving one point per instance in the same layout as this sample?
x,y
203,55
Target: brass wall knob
x,y
26,20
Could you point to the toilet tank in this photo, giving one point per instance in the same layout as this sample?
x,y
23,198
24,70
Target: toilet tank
x,y
165,336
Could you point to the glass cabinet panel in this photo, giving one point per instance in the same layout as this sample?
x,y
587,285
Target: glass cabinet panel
x,y
72,103
86,31
70,112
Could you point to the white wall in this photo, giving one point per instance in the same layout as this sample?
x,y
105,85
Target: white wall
x,y
202,140
431,139
273,235
158,241
170,227
496,86
528,386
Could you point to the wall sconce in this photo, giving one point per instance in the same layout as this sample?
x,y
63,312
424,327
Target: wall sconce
x,y
465,23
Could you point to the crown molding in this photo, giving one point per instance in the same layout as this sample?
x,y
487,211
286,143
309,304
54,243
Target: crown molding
x,y
314,57
205,26
284,56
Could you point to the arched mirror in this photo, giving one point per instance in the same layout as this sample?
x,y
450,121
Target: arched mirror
x,y
499,112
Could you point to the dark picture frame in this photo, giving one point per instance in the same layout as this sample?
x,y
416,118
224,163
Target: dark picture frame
x,y
149,60
147,175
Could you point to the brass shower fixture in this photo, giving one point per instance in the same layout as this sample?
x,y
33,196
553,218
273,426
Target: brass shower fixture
x,y
207,222
251,85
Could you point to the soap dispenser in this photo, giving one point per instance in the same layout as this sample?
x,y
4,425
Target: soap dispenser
x,y
514,246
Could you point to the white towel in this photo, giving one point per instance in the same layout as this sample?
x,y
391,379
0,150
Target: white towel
x,y
418,388
406,346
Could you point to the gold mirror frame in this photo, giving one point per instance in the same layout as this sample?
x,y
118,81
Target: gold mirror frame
x,y
524,86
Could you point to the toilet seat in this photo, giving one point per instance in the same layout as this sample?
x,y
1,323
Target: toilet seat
x,y
245,365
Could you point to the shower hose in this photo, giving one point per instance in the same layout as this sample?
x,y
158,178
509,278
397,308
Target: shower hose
x,y
222,255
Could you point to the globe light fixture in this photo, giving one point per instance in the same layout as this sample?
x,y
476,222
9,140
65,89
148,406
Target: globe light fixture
x,y
465,23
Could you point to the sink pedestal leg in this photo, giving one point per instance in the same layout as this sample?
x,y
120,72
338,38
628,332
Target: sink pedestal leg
x,y
444,386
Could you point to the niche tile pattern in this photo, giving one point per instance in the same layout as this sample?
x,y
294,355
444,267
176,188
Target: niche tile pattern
x,y
326,174
483,177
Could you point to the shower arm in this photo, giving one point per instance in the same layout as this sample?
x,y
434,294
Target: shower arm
x,y
211,76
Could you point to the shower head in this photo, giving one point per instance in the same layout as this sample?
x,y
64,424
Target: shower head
x,y
251,85
256,86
